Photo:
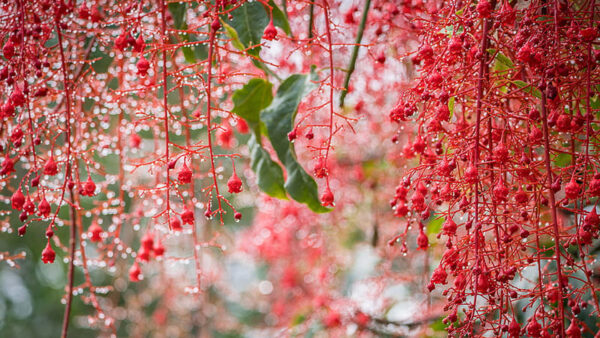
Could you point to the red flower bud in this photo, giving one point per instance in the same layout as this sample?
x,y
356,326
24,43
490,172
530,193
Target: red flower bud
x,y
48,254
50,168
148,241
17,200
175,224
142,66
572,189
484,8
187,216
185,174
422,240
327,198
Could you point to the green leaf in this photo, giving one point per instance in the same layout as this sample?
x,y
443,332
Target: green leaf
x,y
53,41
451,105
298,319
268,173
594,102
502,61
279,18
438,325
279,121
449,30
88,104
562,160
247,26
527,88
194,52
233,35
434,226
102,61
353,237
505,60
177,10
249,22
248,101
255,96
109,162
244,315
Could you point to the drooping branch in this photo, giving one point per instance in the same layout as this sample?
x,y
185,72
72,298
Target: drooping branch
x,y
68,177
553,208
357,42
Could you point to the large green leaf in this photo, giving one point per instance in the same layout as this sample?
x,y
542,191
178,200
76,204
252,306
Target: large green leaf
x,y
249,22
233,35
255,96
279,18
269,174
248,101
279,121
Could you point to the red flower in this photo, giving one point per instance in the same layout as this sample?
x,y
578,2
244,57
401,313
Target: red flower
x,y
89,188
534,329
135,140
17,200
573,331
185,174
135,273
95,232
439,275
514,328
327,198
422,240
234,184
8,50
121,41
484,8
500,191
449,227
592,219
17,97
48,254
320,168
175,224
50,168
44,208
521,196
8,166
270,32
187,216
142,66
158,249
333,319
572,189
148,241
